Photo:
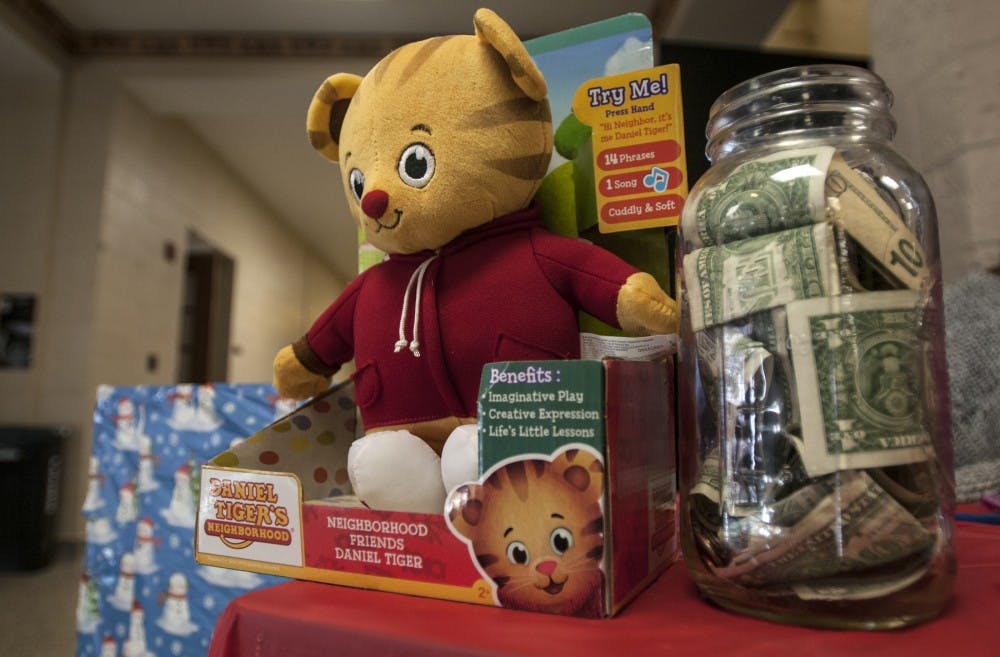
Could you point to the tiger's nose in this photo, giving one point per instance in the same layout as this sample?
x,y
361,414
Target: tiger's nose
x,y
546,567
374,203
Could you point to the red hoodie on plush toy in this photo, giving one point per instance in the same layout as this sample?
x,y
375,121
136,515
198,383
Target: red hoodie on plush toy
x,y
442,147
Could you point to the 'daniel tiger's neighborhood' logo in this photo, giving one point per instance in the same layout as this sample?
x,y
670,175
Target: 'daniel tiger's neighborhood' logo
x,y
247,512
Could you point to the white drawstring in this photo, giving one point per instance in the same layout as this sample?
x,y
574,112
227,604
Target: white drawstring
x,y
416,278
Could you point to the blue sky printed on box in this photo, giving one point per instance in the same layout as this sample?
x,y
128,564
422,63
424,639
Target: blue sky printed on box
x,y
141,592
572,57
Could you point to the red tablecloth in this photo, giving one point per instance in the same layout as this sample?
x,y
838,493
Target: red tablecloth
x,y
306,619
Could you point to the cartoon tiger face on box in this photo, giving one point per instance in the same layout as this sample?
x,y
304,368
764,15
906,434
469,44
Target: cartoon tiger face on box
x,y
536,529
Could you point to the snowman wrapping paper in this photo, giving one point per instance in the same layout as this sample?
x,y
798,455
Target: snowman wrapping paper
x,y
141,594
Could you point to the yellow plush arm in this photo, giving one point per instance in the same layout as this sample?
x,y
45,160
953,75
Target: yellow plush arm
x,y
643,308
293,380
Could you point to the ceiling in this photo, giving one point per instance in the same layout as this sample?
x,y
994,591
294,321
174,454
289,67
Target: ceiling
x,y
240,73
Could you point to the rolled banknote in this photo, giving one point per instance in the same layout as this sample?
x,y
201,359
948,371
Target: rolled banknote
x,y
706,523
859,373
737,279
708,477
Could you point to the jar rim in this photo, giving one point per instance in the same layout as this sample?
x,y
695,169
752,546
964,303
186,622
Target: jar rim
x,y
817,89
795,77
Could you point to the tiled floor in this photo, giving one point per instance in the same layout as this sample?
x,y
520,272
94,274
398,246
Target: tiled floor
x,y
38,608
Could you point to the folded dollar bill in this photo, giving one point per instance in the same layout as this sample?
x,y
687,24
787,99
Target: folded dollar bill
x,y
738,279
855,205
859,372
766,195
708,477
798,187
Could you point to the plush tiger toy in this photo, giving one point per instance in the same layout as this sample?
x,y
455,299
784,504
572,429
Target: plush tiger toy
x,y
441,148
536,529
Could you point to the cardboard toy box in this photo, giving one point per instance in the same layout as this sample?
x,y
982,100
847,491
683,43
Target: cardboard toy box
x,y
574,510
279,502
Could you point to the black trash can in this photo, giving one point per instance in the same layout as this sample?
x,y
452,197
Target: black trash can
x,y
30,474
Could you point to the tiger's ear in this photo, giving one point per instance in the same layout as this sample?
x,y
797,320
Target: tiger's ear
x,y
581,470
464,509
493,30
327,110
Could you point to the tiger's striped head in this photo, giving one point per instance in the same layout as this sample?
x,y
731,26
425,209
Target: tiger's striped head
x,y
536,529
441,136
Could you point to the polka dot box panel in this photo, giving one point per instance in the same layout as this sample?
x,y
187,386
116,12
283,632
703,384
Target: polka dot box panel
x,y
311,442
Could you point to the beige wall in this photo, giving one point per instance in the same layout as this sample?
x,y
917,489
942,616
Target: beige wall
x,y
162,181
100,189
28,146
942,61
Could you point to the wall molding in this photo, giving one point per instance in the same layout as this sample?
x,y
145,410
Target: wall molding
x,y
58,32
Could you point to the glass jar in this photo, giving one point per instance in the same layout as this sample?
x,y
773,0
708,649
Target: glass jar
x,y
816,481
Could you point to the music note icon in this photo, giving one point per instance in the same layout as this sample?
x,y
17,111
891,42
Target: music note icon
x,y
657,179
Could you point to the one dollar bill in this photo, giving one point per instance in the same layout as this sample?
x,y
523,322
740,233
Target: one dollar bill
x,y
766,195
859,372
737,279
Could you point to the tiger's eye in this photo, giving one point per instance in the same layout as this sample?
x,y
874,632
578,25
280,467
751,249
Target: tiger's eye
x,y
561,540
517,553
357,181
416,165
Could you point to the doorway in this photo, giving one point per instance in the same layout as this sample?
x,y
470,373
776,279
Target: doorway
x,y
205,313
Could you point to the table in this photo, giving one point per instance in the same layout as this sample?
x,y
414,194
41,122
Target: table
x,y
307,619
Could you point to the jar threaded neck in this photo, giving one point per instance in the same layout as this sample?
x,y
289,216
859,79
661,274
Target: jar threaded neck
x,y
795,105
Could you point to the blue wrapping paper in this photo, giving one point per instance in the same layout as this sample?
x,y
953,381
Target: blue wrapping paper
x,y
141,594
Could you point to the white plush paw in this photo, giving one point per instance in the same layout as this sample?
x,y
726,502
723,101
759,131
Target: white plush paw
x,y
460,456
396,471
